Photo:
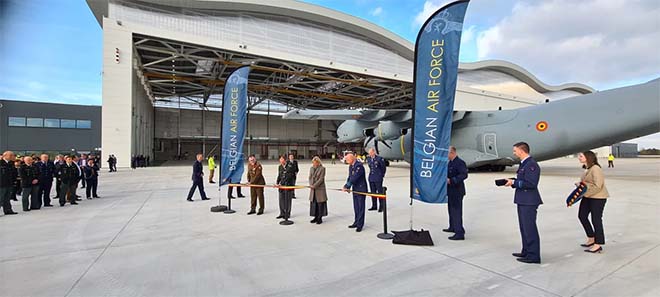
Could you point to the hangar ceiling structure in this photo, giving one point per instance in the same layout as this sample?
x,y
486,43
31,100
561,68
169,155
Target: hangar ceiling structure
x,y
331,60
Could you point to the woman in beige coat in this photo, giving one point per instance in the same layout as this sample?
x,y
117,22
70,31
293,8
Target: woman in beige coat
x,y
593,202
318,198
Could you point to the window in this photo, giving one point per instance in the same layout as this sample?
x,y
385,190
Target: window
x,y
35,122
68,124
16,122
84,124
52,123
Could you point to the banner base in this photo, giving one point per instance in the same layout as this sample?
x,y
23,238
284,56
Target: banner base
x,y
229,211
412,237
286,222
218,208
385,236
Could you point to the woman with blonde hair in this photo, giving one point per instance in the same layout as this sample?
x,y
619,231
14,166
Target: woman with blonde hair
x,y
593,202
318,197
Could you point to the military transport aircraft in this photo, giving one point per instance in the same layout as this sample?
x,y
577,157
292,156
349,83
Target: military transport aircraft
x,y
484,138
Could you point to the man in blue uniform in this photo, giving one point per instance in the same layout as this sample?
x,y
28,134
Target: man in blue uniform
x,y
47,172
457,173
377,170
358,183
528,199
198,179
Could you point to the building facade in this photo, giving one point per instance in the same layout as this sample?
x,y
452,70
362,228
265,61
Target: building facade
x,y
33,127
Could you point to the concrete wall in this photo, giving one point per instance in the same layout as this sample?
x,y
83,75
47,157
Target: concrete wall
x,y
118,92
142,138
49,139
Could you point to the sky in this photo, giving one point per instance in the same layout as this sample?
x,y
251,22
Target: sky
x,y
52,53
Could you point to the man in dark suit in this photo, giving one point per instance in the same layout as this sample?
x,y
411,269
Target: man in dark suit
x,y
47,171
457,173
91,174
285,177
528,199
358,183
294,162
7,180
30,184
198,179
377,170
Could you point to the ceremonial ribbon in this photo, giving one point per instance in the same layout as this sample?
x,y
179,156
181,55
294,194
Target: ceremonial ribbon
x,y
375,195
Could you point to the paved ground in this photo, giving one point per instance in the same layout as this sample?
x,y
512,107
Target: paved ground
x,y
143,239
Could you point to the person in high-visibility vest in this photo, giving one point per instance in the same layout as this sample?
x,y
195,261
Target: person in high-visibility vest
x,y
211,168
610,161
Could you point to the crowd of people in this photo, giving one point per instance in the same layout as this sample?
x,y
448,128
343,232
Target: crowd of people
x,y
32,178
139,161
527,196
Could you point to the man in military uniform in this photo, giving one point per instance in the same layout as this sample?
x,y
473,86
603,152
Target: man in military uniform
x,y
198,179
7,179
68,174
30,184
377,170
357,182
255,177
285,177
527,198
293,161
46,172
457,173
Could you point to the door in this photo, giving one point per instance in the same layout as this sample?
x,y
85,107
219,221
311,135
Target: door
x,y
490,144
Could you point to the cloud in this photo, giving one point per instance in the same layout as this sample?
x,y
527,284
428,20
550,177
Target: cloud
x,y
376,11
598,42
430,6
468,35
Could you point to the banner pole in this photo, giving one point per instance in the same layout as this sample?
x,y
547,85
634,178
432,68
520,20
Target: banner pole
x,y
229,210
385,234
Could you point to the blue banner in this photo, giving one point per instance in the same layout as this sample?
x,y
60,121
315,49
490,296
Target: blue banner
x,y
436,70
234,120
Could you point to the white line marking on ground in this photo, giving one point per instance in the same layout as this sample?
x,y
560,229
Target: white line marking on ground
x,y
517,276
568,256
493,286
544,265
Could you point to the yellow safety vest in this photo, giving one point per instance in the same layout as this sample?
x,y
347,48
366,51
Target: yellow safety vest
x,y
211,163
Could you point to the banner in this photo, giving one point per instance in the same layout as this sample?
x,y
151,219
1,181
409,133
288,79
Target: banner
x,y
234,120
436,69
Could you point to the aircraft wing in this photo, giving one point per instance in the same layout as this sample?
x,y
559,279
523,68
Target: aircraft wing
x,y
344,115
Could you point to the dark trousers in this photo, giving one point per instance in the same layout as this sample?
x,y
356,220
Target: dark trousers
x,y
68,193
5,197
92,184
257,194
197,183
610,164
377,187
531,242
455,208
595,207
358,208
293,192
83,182
231,190
44,191
30,198
58,188
285,203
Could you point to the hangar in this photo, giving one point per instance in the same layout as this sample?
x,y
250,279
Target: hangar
x,y
165,62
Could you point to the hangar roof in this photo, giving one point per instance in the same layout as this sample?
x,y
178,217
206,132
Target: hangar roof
x,y
174,69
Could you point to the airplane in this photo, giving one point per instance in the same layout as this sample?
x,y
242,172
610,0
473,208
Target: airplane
x,y
484,138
